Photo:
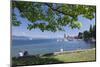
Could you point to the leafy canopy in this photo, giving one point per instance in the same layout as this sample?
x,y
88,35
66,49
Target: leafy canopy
x,y
54,15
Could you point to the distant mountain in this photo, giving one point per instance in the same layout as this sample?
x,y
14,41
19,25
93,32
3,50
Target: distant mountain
x,y
20,38
27,38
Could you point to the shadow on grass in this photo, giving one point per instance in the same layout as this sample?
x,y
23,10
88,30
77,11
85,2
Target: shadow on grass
x,y
33,60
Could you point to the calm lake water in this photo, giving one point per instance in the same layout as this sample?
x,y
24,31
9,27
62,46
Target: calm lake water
x,y
42,46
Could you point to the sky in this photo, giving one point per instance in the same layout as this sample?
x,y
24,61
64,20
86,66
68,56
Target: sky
x,y
37,33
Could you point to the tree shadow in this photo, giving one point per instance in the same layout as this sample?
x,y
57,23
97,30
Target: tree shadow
x,y
34,60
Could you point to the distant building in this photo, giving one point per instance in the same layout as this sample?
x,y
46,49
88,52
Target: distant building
x,y
67,37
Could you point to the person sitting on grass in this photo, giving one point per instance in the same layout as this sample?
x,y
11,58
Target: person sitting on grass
x,y
26,53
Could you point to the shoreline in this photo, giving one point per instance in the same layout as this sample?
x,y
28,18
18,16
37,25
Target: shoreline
x,y
72,51
58,53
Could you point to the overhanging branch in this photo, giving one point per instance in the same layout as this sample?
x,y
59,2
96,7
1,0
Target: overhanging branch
x,y
56,10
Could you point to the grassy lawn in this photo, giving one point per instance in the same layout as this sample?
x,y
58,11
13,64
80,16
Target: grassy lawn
x,y
75,56
86,55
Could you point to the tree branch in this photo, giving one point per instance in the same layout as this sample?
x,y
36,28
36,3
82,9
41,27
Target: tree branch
x,y
58,10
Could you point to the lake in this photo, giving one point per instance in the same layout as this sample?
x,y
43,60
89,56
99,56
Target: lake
x,y
42,46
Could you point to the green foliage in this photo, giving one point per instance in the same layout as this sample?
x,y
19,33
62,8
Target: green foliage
x,y
14,21
94,31
76,24
80,35
88,34
57,15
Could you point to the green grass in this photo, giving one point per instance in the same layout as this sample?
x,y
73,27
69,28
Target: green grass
x,y
87,55
74,56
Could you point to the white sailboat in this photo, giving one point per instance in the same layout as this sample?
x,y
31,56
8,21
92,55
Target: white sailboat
x,y
59,40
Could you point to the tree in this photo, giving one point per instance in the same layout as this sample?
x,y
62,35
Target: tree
x,y
94,31
54,15
86,35
91,31
80,35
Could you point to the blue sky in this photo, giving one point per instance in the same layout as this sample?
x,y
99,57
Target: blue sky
x,y
36,33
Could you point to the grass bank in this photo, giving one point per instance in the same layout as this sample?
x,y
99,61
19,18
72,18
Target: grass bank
x,y
67,56
76,56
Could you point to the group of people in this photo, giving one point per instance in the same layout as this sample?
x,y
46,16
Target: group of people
x,y
21,54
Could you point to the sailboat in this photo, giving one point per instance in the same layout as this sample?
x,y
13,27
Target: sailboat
x,y
59,40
